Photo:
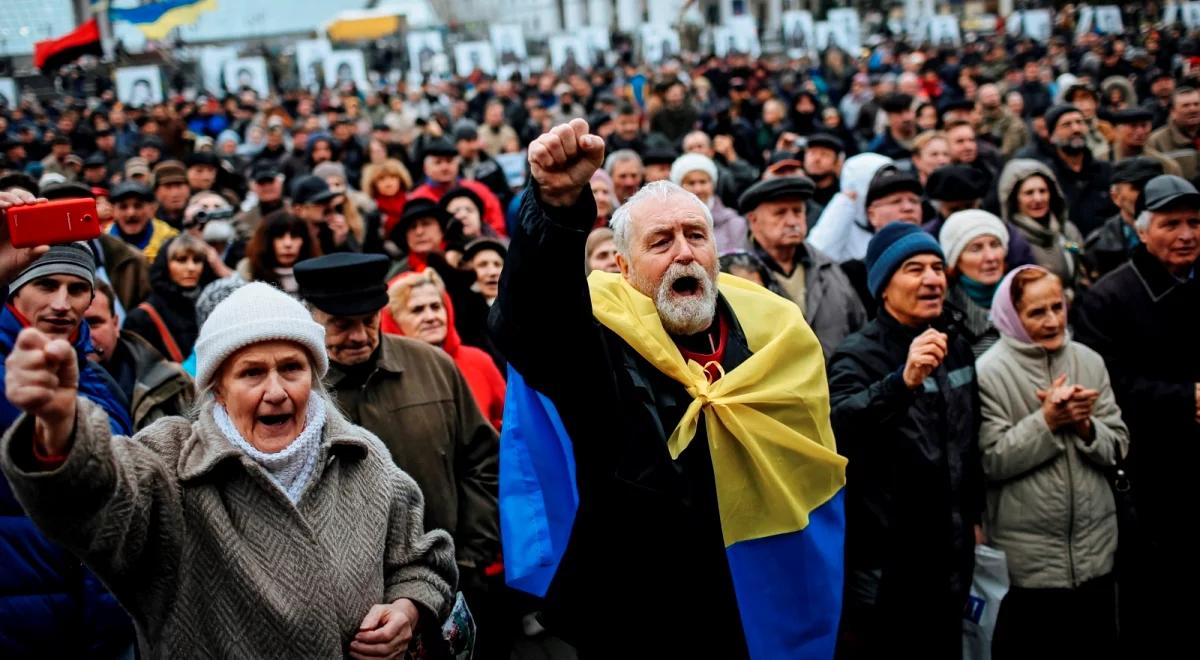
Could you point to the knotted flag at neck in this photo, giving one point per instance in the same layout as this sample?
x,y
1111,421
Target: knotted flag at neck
x,y
779,480
768,426
778,476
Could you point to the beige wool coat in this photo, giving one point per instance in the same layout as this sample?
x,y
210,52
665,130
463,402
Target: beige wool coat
x,y
207,553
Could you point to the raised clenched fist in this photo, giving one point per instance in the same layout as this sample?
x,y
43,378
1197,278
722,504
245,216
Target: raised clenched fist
x,y
42,378
563,160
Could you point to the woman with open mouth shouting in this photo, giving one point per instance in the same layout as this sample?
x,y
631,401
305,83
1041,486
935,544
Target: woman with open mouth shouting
x,y
266,526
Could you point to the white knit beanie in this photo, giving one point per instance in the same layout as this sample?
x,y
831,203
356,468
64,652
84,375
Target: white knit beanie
x,y
965,226
691,163
255,313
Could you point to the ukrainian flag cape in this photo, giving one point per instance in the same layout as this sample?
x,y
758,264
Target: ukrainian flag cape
x,y
779,479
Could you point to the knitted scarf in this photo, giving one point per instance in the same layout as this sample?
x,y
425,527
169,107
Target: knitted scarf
x,y
292,467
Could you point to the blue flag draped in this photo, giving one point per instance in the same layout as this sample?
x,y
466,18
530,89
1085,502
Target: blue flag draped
x,y
793,618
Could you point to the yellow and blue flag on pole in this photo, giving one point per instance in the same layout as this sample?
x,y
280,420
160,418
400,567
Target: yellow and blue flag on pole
x,y
157,19
779,478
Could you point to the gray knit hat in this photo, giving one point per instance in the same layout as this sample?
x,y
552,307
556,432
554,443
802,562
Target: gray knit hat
x,y
66,259
255,313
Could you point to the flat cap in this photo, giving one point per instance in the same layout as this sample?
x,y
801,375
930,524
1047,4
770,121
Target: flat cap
x,y
783,187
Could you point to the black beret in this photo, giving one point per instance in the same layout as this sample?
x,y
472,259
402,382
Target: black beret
x,y
826,140
344,283
96,159
439,147
783,187
203,158
896,103
956,183
1131,116
1055,113
1137,170
891,179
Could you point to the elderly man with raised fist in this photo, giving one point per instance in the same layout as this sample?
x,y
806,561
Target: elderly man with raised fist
x,y
709,486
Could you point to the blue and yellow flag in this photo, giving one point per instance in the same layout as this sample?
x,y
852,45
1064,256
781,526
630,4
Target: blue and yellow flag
x,y
157,19
779,479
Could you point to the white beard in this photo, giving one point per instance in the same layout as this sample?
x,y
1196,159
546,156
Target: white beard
x,y
685,315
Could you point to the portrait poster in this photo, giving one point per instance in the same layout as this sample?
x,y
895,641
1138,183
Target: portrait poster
x,y
139,86
8,93
474,55
423,47
310,61
944,31
247,73
343,67
212,66
659,43
1108,20
845,29
799,33
508,43
568,53
1190,15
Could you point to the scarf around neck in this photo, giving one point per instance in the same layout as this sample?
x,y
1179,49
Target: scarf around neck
x,y
290,468
769,434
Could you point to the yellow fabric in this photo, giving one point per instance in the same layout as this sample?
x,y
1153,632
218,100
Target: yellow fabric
x,y
362,29
161,233
772,446
177,17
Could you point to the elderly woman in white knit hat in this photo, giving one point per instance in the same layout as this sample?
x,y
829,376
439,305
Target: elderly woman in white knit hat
x,y
975,243
266,527
697,174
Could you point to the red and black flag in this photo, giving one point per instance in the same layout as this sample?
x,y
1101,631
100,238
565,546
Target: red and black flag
x,y
50,54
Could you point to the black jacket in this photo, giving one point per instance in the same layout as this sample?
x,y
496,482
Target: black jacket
x,y
914,484
1087,191
1143,322
176,306
647,534
1106,248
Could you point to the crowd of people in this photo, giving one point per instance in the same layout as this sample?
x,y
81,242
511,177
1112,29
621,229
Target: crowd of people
x,y
994,247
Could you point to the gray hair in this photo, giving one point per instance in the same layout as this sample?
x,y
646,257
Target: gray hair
x,y
622,156
1143,220
622,219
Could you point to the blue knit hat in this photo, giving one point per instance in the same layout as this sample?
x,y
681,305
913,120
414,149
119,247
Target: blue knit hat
x,y
891,247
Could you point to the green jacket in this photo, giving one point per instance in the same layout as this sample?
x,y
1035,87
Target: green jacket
x,y
1049,505
162,388
416,401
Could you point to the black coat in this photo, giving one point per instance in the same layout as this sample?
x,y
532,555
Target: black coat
x,y
914,485
1106,248
1087,191
1144,322
176,306
645,573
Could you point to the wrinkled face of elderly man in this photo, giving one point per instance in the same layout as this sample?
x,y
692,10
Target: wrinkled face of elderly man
x,y
665,249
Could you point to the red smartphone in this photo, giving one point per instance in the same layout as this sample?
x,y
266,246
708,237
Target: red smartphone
x,y
57,221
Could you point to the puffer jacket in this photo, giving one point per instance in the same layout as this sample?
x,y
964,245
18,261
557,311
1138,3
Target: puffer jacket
x,y
1049,505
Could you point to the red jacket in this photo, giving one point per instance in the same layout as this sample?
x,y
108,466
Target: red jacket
x,y
492,213
476,366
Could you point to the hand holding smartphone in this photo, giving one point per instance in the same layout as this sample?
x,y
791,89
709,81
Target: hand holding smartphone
x,y
48,223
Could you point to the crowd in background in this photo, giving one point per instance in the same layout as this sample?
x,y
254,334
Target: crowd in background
x,y
1020,216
